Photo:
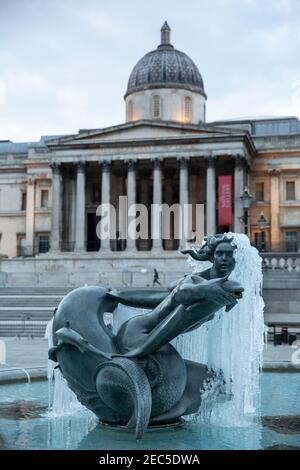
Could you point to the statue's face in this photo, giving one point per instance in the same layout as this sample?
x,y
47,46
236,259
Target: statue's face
x,y
223,259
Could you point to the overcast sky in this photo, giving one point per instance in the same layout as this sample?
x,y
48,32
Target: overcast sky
x,y
64,64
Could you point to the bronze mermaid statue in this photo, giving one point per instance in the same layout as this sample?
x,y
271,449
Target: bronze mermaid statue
x,y
135,377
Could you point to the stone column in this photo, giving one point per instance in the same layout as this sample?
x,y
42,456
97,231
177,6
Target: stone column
x,y
184,199
211,196
30,198
80,208
239,184
157,199
56,208
67,201
144,244
120,204
105,198
131,199
72,232
169,244
275,237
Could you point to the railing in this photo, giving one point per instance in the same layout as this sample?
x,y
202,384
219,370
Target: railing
x,y
41,246
27,250
93,245
278,247
67,245
118,244
278,262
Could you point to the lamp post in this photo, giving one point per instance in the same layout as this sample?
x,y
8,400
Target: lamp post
x,y
246,200
262,223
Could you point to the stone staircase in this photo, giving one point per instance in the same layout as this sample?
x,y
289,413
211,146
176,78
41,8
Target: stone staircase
x,y
25,311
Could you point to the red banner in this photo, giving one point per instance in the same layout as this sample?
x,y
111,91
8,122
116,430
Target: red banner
x,y
224,202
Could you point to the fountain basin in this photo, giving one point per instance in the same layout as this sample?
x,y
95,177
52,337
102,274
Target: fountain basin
x,y
25,424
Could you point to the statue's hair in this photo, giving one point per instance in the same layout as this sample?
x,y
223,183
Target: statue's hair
x,y
206,252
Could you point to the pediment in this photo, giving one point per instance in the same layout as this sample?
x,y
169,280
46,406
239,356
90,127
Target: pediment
x,y
140,130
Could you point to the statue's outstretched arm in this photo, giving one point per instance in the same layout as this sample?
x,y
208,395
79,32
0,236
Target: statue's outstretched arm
x,y
192,302
139,298
194,289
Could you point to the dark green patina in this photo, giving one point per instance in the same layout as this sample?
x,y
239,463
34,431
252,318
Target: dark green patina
x,y
136,377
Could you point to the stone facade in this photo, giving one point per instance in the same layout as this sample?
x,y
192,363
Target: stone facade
x,y
53,188
274,183
50,190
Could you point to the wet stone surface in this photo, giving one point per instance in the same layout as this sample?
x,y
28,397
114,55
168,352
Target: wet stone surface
x,y
282,447
21,410
2,442
282,424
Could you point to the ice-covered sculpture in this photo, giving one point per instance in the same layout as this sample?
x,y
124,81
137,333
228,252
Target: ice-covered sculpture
x,y
135,377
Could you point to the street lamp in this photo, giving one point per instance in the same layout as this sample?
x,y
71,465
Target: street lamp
x,y
262,221
246,200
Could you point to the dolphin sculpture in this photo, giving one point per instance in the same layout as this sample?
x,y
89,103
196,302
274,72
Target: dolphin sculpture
x,y
136,378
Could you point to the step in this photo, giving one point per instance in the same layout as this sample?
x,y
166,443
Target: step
x,y
278,306
282,318
28,305
11,328
32,291
21,316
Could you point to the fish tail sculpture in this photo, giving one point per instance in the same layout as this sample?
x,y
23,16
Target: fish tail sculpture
x,y
123,379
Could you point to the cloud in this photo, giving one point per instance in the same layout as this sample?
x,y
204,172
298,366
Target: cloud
x,y
65,63
2,92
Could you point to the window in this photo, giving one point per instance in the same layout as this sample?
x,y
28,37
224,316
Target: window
x,y
156,107
291,241
187,109
23,201
130,111
290,190
44,244
44,198
259,192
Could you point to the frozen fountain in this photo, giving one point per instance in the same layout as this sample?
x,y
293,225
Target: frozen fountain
x,y
230,344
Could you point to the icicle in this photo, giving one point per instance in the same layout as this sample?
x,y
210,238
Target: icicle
x,y
61,399
232,343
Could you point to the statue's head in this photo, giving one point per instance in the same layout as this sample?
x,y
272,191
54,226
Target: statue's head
x,y
218,249
223,259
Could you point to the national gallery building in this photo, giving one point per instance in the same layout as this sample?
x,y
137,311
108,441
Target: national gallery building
x,y
165,153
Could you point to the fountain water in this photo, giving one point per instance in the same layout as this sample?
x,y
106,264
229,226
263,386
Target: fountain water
x,y
233,343
62,400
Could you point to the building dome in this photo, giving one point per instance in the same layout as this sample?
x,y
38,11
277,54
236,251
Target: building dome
x,y
162,75
165,67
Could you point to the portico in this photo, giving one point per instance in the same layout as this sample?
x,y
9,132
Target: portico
x,y
88,170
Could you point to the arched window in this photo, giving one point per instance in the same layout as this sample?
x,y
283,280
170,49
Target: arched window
x,y
130,110
156,107
187,109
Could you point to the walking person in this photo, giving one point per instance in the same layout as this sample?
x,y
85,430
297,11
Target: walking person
x,y
156,277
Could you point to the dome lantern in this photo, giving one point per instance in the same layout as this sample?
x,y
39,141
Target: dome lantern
x,y
165,32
